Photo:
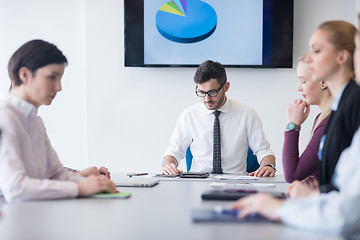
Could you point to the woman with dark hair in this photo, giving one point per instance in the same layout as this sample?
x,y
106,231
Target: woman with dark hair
x,y
29,166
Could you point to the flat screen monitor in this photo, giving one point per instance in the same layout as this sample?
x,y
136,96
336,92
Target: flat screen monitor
x,y
184,33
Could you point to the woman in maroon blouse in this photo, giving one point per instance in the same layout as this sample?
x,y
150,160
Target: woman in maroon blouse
x,y
314,93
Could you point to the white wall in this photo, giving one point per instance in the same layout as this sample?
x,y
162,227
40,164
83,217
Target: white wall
x,y
123,117
60,22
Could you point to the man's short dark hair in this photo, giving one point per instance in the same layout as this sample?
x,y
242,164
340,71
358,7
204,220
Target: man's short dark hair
x,y
208,70
33,55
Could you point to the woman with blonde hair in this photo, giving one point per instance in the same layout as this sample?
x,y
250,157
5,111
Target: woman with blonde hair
x,y
313,93
337,212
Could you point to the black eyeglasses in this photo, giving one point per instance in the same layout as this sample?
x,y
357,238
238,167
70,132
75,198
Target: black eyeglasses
x,y
212,93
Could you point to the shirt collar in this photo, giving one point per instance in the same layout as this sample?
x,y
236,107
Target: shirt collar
x,y
23,106
225,108
335,104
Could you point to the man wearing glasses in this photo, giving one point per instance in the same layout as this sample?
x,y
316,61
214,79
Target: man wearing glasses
x,y
219,130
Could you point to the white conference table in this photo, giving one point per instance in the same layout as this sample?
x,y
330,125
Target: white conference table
x,y
160,212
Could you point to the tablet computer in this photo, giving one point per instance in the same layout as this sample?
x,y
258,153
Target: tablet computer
x,y
185,175
233,194
194,175
211,215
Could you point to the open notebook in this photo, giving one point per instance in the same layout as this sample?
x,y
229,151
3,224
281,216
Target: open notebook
x,y
118,195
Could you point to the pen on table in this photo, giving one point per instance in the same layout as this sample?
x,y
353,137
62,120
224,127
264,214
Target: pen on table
x,y
136,174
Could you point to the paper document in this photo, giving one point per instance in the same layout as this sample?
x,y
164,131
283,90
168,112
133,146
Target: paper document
x,y
222,184
235,177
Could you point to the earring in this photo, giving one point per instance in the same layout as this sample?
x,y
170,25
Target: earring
x,y
323,87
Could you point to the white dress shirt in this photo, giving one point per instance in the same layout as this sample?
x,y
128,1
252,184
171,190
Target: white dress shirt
x,y
29,166
240,127
334,212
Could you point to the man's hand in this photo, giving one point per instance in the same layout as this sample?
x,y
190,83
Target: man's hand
x,y
170,169
263,171
169,166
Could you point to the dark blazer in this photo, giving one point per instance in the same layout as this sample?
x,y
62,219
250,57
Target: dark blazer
x,y
339,132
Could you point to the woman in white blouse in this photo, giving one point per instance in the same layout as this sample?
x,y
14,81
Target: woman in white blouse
x,y
29,166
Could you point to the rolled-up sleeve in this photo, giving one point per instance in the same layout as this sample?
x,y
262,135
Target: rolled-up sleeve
x,y
180,139
256,137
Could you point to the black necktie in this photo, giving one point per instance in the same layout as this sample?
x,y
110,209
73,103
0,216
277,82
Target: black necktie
x,y
217,145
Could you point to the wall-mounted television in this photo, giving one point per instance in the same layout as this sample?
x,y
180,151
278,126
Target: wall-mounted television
x,y
184,33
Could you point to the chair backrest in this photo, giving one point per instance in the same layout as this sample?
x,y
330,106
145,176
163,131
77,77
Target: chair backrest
x,y
251,161
188,158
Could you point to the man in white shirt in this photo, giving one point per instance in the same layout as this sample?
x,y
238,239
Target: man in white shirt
x,y
240,128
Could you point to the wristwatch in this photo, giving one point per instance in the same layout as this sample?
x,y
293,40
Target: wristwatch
x,y
270,165
292,126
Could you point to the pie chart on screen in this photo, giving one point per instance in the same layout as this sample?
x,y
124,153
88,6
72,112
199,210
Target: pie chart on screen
x,y
186,21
